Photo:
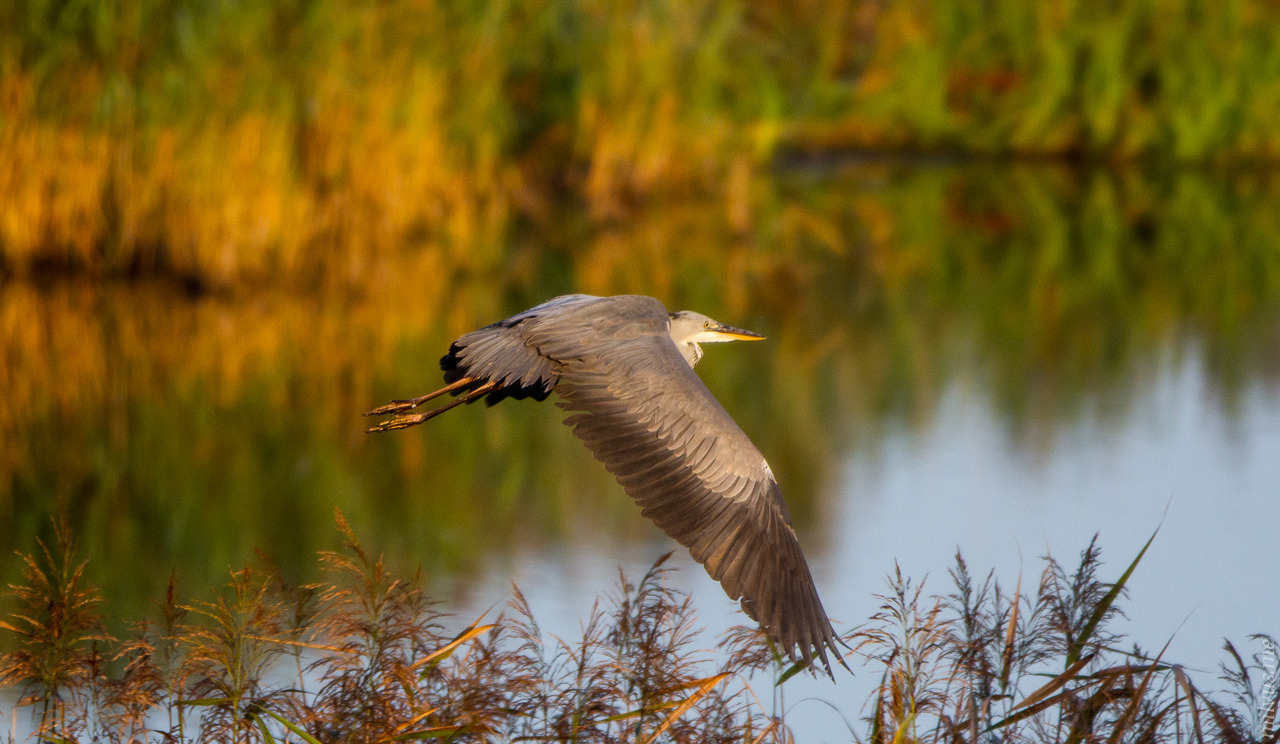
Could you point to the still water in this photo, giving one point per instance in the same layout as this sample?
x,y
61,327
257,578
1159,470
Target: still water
x,y
963,482
1001,361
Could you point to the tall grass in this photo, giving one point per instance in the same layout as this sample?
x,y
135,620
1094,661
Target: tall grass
x,y
306,142
1149,79
59,628
984,664
372,661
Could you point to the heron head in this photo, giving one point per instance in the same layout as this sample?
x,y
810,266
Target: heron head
x,y
688,329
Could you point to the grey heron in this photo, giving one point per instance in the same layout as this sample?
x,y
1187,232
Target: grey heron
x,y
624,367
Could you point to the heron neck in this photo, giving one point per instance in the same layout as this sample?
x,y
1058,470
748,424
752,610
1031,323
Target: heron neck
x,y
692,353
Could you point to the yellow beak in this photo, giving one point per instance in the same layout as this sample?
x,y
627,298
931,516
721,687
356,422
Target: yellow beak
x,y
737,334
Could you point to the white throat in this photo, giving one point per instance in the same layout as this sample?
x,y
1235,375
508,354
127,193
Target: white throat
x,y
691,352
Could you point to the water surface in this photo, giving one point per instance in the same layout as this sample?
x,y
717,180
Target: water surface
x,y
1003,360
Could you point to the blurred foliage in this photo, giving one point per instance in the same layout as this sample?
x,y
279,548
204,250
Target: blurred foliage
x,y
227,227
305,141
1177,80
189,429
308,141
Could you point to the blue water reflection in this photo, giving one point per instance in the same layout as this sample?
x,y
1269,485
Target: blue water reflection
x,y
1173,460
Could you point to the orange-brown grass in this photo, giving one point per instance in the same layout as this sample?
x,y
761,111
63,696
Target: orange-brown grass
x,y
241,143
225,202
284,146
303,143
982,664
373,662
58,627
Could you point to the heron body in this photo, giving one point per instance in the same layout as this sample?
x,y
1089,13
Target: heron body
x,y
624,367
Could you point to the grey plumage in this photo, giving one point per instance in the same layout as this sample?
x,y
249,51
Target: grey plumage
x,y
623,367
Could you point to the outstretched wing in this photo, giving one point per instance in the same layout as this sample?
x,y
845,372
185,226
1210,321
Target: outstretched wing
x,y
645,414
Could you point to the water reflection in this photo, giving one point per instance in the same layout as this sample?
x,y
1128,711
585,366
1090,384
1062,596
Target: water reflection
x,y
182,432
960,483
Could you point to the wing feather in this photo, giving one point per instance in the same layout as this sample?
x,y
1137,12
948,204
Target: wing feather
x,y
646,415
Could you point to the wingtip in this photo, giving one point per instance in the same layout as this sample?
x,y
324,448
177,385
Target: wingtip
x,y
815,649
821,655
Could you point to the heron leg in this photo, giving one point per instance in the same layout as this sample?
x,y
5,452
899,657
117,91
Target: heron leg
x,y
413,419
400,406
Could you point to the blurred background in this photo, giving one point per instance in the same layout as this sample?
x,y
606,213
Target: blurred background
x,y
1018,265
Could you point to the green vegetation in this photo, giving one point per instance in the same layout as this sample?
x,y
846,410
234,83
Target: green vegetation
x,y
371,661
1180,80
309,141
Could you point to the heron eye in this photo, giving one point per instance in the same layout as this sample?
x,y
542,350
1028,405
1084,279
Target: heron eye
x,y
706,324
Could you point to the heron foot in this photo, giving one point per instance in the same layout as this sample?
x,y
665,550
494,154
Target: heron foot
x,y
405,421
395,406
401,422
408,404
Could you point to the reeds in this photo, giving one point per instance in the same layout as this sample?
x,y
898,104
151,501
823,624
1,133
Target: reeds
x,y
372,662
229,145
57,662
1143,80
983,665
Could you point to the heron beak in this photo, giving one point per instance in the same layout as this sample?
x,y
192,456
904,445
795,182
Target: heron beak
x,y
735,334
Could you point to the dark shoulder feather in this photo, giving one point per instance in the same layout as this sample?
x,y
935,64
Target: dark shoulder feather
x,y
500,352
